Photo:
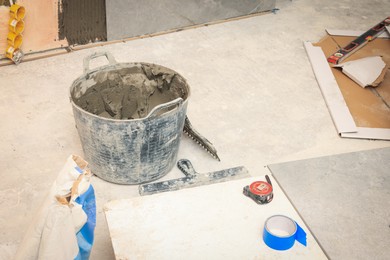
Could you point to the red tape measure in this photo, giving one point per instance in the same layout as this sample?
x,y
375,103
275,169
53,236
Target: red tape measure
x,y
260,191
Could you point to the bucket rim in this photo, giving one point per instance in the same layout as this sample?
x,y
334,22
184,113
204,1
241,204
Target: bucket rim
x,y
85,76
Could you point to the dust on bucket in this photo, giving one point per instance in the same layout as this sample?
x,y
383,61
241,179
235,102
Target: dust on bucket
x,y
129,117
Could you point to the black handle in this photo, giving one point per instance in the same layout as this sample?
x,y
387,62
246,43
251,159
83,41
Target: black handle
x,y
186,167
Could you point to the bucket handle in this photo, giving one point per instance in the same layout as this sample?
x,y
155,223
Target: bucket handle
x,y
110,58
156,109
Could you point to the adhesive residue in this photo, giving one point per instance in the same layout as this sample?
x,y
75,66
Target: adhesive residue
x,y
82,22
130,92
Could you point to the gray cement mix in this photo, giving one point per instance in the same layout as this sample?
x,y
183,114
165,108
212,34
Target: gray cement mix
x,y
131,92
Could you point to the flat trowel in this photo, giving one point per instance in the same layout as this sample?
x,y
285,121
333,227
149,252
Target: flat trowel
x,y
193,179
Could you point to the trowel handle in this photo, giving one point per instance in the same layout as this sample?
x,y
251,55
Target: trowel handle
x,y
110,58
156,109
186,167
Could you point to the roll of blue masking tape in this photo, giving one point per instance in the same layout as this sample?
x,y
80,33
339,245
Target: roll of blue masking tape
x,y
280,233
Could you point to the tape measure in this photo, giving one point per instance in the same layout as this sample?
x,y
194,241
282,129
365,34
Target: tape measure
x,y
260,191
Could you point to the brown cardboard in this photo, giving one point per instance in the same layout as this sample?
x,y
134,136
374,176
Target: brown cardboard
x,y
368,107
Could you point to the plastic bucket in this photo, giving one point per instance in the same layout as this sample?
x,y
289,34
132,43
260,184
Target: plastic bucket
x,y
129,151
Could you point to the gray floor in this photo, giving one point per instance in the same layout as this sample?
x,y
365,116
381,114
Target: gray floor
x,y
129,18
253,95
344,199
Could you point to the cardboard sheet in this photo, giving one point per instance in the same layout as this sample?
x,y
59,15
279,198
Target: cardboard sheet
x,y
368,107
353,33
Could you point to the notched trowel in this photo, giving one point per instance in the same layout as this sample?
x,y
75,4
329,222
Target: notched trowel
x,y
193,179
199,139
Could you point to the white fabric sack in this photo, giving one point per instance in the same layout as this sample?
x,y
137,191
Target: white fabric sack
x,y
52,232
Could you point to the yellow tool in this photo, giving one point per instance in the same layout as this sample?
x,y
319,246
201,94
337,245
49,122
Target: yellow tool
x,y
16,26
18,12
14,37
9,52
16,55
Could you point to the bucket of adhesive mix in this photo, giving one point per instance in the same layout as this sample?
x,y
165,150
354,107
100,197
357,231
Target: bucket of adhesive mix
x,y
129,117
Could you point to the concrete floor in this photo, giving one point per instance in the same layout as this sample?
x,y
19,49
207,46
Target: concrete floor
x,y
253,95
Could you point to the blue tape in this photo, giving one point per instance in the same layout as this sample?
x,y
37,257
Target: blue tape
x,y
280,233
